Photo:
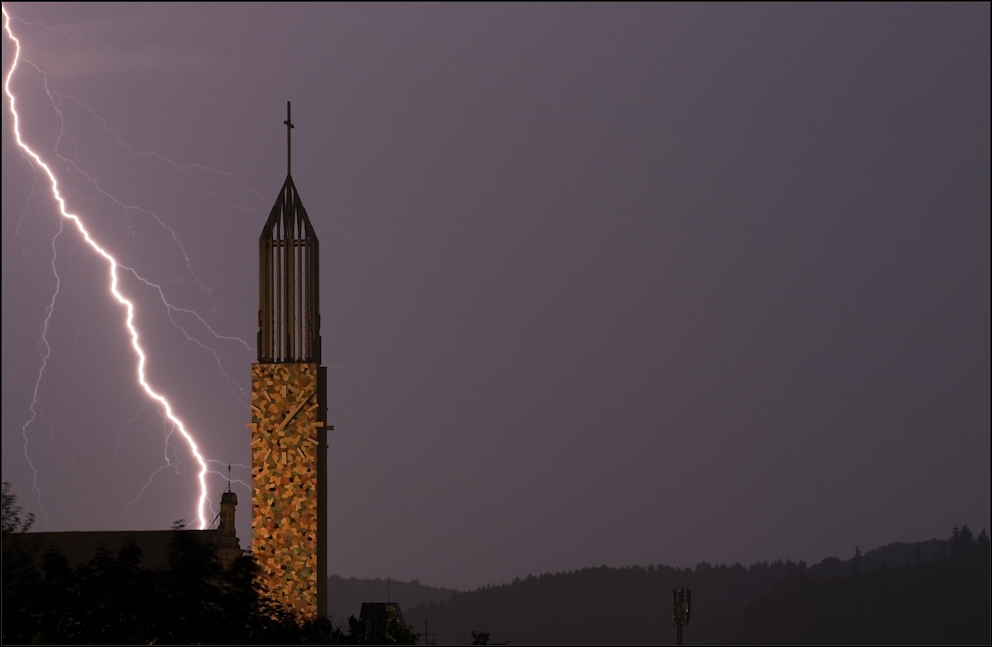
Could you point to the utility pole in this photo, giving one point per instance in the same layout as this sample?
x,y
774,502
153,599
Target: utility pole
x,y
428,634
681,601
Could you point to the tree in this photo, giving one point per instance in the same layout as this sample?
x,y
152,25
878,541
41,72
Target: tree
x,y
962,544
12,521
112,600
20,579
398,633
482,638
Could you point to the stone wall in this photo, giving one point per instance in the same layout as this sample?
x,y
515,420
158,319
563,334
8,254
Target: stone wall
x,y
285,442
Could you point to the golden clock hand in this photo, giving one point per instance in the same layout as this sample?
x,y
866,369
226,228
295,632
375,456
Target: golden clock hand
x,y
282,425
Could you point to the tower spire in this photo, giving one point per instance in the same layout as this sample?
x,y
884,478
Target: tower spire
x,y
289,409
288,304
289,140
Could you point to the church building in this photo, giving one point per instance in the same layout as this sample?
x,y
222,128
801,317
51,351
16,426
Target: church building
x,y
288,431
289,409
79,547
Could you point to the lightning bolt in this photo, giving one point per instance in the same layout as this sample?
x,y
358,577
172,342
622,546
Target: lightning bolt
x,y
44,362
112,266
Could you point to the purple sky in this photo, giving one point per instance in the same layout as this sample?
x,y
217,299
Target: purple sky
x,y
601,284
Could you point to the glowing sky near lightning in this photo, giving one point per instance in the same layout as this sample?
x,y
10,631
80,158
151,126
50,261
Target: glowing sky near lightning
x,y
601,284
115,269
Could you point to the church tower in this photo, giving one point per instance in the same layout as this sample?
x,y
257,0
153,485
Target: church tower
x,y
289,410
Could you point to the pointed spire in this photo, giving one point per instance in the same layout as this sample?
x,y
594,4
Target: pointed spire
x,y
289,140
288,291
228,477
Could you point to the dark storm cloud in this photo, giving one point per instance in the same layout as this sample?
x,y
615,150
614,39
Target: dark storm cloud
x,y
601,284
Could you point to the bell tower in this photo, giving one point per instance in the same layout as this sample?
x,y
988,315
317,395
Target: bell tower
x,y
289,409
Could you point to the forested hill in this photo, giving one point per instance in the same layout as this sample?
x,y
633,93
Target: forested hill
x,y
928,592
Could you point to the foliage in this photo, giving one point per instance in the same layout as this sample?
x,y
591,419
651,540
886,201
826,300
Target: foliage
x,y
11,513
941,601
112,600
933,591
398,633
482,638
936,592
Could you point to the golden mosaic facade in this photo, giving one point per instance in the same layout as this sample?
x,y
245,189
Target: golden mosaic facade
x,y
287,461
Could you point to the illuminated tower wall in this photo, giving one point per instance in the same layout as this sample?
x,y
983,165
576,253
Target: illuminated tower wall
x,y
288,413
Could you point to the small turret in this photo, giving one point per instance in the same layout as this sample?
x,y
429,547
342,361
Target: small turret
x,y
225,537
228,502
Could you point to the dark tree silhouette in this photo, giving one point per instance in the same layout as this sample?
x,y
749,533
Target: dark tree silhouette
x,y
112,600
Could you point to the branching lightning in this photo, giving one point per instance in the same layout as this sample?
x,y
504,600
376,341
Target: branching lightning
x,y
168,463
137,414
55,99
113,266
44,362
186,168
171,308
34,182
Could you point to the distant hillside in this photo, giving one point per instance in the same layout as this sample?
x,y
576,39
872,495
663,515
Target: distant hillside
x,y
601,605
932,591
345,596
894,555
943,601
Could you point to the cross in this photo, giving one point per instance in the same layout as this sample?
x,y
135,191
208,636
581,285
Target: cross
x,y
289,141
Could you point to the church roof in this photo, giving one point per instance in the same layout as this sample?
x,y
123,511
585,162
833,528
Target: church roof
x,y
79,547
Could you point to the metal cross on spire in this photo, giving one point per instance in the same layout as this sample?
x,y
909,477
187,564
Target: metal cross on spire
x,y
289,141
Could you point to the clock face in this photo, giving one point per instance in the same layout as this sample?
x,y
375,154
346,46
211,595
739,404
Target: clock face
x,y
284,442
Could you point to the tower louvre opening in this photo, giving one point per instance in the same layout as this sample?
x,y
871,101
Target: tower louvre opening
x,y
288,283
